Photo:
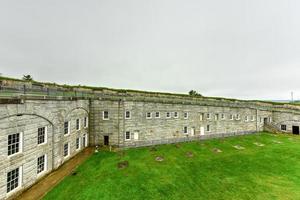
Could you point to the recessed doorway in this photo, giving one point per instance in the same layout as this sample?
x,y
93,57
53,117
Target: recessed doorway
x,y
106,140
296,130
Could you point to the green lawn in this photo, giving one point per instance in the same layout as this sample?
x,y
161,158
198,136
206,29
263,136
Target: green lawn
x,y
256,172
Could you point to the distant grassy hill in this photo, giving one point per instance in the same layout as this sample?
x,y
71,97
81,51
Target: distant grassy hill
x,y
141,92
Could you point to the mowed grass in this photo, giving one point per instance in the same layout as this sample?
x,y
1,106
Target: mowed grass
x,y
256,172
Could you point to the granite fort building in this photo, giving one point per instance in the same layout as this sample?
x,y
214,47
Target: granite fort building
x,y
44,125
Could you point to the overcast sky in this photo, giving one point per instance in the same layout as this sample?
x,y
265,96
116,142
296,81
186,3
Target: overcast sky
x,y
247,49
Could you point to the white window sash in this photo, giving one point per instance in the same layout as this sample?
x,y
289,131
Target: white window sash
x,y
79,124
69,128
103,115
126,135
20,180
46,135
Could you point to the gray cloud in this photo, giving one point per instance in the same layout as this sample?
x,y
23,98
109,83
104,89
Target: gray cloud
x,y
234,48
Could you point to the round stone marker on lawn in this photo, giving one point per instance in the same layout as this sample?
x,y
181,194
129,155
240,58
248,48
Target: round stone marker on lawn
x,y
238,147
123,164
202,144
216,150
258,144
189,154
159,158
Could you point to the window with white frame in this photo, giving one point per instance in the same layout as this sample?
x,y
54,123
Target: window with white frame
x,y
77,124
14,143
175,114
246,118
41,164
13,179
208,116
77,143
157,114
185,115
135,135
105,115
168,115
223,116
85,122
201,116
66,149
185,130
237,117
216,116
253,118
283,127
208,128
42,135
127,135
84,140
148,115
231,117
66,128
127,115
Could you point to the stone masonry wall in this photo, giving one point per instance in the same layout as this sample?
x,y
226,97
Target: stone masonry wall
x,y
106,127
157,128
286,118
204,116
26,118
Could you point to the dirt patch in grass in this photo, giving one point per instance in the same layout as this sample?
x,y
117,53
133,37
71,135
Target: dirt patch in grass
x,y
159,158
216,150
123,164
177,146
74,173
189,154
153,149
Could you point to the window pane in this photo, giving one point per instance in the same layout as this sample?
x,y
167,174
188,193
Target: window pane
x,y
41,135
40,164
12,179
66,150
13,143
66,127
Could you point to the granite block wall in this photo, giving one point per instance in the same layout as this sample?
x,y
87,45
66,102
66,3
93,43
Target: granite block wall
x,y
193,118
121,121
26,118
288,119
